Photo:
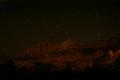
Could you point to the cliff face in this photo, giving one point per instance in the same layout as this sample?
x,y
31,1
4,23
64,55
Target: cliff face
x,y
79,57
68,47
78,62
44,49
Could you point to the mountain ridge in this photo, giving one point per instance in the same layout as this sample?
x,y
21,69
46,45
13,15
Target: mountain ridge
x,y
69,45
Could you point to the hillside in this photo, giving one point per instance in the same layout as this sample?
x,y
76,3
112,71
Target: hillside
x,y
79,57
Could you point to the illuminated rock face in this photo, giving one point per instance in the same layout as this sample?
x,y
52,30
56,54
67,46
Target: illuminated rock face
x,y
75,62
79,61
44,49
40,50
28,64
68,44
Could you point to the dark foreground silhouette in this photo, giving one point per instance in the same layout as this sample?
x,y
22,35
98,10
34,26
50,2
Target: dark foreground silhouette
x,y
43,72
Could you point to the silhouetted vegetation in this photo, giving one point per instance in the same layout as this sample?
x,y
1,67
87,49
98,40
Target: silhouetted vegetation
x,y
44,71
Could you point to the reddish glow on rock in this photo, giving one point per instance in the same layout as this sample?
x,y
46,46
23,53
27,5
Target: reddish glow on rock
x,y
76,59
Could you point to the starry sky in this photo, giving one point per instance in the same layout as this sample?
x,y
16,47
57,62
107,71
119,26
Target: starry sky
x,y
24,23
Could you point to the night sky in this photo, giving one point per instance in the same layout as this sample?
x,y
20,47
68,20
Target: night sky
x,y
23,23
